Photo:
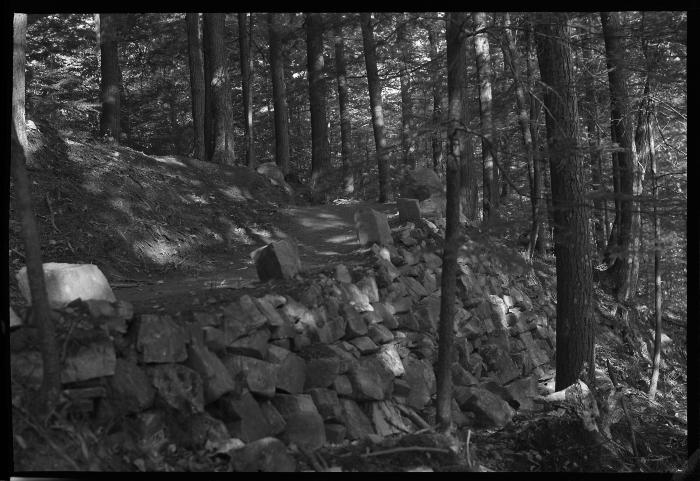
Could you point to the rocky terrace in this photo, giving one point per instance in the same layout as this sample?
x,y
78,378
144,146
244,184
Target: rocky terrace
x,y
348,357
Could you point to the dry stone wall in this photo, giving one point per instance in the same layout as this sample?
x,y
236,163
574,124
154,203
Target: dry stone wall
x,y
351,357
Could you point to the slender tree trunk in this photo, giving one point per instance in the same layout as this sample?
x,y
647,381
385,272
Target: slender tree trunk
x,y
345,127
594,145
483,68
512,59
196,82
657,257
455,57
218,103
375,101
575,329
244,35
625,268
406,105
469,185
19,24
279,94
320,162
51,383
436,137
110,76
539,238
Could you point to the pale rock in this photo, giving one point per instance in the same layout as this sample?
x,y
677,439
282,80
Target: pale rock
x,y
342,274
67,282
244,417
380,334
372,227
409,209
368,286
260,376
389,357
357,423
277,260
217,380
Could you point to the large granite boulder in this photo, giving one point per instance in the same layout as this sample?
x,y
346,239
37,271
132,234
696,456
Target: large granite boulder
x,y
67,282
277,260
420,183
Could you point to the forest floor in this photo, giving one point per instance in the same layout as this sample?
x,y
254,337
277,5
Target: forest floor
x,y
171,232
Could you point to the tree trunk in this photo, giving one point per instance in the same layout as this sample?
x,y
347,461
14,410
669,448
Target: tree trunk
x,y
625,267
345,127
320,162
575,334
512,59
51,382
436,138
110,76
483,68
406,106
469,185
375,101
657,254
244,36
279,94
594,145
19,47
196,82
218,105
455,57
540,238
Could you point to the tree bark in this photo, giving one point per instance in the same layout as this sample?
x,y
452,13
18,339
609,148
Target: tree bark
x,y
455,57
483,68
244,35
19,47
320,161
51,383
279,94
218,105
575,330
375,101
594,145
194,43
469,184
541,239
625,267
345,126
436,138
110,77
512,59
650,151
406,106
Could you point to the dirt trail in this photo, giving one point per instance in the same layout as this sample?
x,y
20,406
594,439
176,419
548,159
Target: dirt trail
x,y
325,234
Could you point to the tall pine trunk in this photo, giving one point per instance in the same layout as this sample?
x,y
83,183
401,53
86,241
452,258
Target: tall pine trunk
x,y
320,160
244,34
194,42
279,94
455,57
512,60
469,184
436,137
110,76
406,107
345,127
19,47
575,334
218,105
625,267
375,101
594,145
542,238
483,68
